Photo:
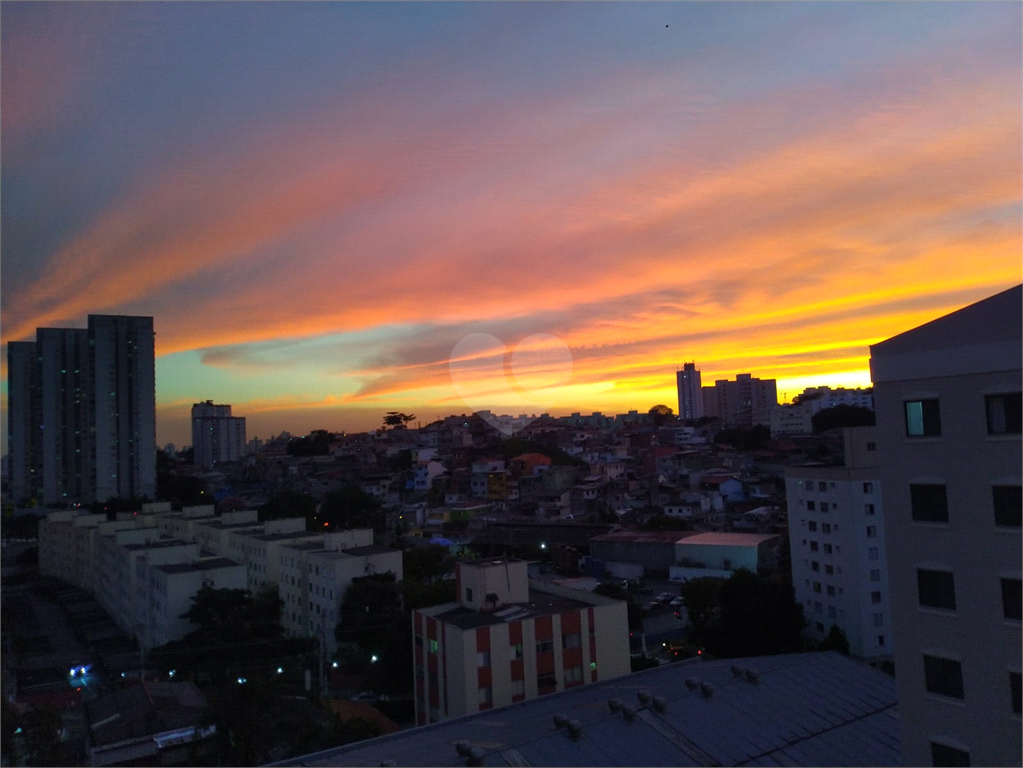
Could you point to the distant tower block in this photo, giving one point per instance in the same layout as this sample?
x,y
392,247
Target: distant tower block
x,y
690,392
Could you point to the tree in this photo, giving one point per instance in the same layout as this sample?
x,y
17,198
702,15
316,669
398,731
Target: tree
x,y
661,414
370,610
701,601
397,420
842,416
316,443
427,563
288,504
758,617
744,439
836,641
349,507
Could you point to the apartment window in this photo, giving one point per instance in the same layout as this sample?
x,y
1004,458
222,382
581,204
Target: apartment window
x,y
811,505
434,646
868,487
831,591
875,597
547,680
818,607
923,418
827,549
936,589
878,619
516,651
573,675
822,486
1014,691
518,687
815,566
832,612
829,569
943,676
929,503
875,575
816,586
812,525
871,531
486,695
820,627
545,646
871,446
1012,599
873,553
1008,500
824,506
1004,414
571,641
483,659
468,594
825,528
868,509
813,546
944,755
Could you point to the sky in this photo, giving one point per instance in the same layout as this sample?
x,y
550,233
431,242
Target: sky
x,y
320,203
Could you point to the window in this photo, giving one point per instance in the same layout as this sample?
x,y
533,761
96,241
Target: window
x,y
1008,501
824,506
483,659
929,503
875,575
943,676
832,613
820,627
545,646
825,528
878,619
811,505
516,651
827,549
486,695
573,675
547,680
868,509
812,525
936,589
816,586
868,487
829,569
880,641
433,646
1014,691
817,607
571,641
831,591
875,597
944,755
468,594
871,446
871,531
1004,414
1012,599
923,418
813,546
815,566
822,486
518,687
873,553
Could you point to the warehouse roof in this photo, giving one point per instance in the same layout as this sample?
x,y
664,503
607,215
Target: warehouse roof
x,y
817,709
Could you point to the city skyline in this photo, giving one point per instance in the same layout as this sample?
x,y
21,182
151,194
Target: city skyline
x,y
317,203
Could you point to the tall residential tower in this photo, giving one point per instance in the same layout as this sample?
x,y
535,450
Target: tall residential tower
x,y
690,392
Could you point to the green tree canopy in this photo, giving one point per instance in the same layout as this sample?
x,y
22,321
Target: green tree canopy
x,y
349,507
842,416
661,414
288,503
427,563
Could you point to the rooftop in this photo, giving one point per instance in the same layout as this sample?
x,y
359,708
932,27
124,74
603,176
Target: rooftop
x,y
540,604
643,537
730,539
205,564
817,709
158,544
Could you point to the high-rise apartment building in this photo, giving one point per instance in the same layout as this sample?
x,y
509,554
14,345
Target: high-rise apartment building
x,y
743,402
508,639
216,435
947,398
690,392
82,412
837,541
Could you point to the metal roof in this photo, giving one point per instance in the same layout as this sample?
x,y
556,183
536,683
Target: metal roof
x,y
724,539
818,709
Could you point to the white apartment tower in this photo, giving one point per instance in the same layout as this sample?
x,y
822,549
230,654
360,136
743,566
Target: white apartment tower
x,y
837,541
690,392
216,435
82,412
947,398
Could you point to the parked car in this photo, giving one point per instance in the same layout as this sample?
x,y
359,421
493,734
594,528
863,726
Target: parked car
x,y
665,597
369,696
677,602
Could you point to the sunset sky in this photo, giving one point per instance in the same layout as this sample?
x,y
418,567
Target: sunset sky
x,y
317,202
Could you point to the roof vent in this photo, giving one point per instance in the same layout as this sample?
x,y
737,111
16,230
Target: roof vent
x,y
463,748
575,729
752,675
660,703
629,713
644,697
560,721
737,670
692,683
707,690
615,705
475,758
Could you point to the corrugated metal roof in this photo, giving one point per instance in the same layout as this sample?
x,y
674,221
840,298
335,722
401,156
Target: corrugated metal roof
x,y
817,709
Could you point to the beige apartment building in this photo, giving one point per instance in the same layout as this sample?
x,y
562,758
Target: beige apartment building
x,y
947,397
509,639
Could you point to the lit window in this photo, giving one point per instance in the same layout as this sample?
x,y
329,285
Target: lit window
x,y
923,418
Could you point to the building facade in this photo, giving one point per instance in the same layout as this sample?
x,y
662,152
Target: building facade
x,y
837,541
82,412
217,436
690,392
947,398
508,639
743,402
